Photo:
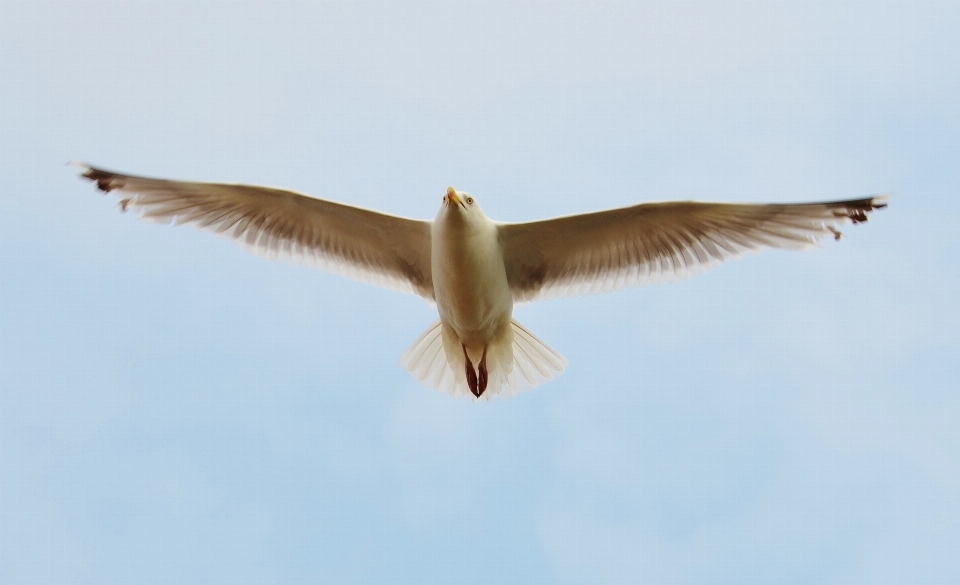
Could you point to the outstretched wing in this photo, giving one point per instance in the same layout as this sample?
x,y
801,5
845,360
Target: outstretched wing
x,y
373,247
621,248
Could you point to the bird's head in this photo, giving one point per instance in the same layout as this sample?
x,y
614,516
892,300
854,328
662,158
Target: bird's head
x,y
461,206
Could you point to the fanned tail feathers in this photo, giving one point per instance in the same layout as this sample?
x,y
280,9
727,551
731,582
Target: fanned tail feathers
x,y
427,362
516,362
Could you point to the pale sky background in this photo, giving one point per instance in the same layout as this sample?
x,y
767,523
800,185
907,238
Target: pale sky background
x,y
176,410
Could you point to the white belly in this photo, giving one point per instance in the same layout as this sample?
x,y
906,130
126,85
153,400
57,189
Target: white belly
x,y
470,285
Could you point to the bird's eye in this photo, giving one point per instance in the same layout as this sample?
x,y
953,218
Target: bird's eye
x,y
469,200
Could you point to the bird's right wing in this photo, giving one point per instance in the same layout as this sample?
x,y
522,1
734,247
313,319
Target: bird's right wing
x,y
620,248
367,245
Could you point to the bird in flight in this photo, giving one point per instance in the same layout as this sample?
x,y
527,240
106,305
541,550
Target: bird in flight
x,y
475,269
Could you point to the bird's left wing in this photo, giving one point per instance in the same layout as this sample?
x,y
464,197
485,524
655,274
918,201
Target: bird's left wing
x,y
620,248
374,247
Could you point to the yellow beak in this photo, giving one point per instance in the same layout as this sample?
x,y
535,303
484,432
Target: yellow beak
x,y
452,196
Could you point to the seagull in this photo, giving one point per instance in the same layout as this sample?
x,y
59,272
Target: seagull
x,y
475,269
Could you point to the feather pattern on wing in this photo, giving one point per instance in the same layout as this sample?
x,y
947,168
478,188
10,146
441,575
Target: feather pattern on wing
x,y
653,242
374,247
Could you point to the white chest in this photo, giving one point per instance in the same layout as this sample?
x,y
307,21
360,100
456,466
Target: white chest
x,y
469,279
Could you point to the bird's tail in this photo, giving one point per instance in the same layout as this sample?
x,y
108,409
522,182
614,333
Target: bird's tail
x,y
516,361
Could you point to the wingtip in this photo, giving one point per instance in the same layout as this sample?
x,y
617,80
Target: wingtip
x,y
103,179
880,201
858,210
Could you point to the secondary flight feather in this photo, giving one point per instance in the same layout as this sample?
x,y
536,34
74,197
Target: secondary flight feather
x,y
474,268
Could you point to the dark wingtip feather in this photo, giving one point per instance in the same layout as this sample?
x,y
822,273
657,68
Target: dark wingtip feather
x,y
856,210
105,180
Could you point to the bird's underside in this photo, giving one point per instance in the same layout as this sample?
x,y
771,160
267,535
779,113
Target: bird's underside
x,y
560,257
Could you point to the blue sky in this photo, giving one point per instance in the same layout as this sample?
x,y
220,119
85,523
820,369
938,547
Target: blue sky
x,y
175,410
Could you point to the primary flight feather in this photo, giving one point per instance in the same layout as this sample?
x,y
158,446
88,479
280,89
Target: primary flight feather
x,y
475,268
